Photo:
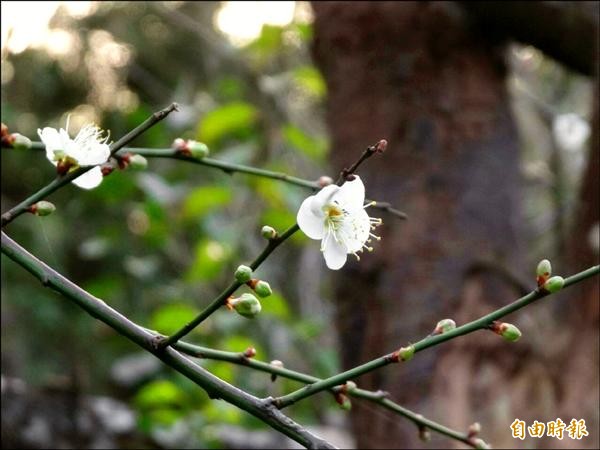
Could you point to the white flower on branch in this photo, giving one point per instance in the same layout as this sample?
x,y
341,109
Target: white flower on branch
x,y
336,216
89,148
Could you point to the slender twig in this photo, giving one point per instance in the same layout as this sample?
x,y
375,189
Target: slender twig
x,y
430,341
60,181
229,168
221,299
223,296
378,397
215,387
379,147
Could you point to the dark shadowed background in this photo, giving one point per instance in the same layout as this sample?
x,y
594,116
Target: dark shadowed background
x,y
491,114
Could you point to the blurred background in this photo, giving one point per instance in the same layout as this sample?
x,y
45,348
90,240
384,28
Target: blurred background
x,y
492,126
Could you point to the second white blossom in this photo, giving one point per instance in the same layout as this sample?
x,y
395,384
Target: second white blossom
x,y
336,216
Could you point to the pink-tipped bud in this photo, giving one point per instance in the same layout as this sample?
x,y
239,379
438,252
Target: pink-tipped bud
x,y
324,181
474,429
381,146
278,364
250,352
444,325
507,330
543,272
180,145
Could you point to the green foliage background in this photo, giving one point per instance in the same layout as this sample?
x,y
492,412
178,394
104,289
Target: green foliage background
x,y
159,245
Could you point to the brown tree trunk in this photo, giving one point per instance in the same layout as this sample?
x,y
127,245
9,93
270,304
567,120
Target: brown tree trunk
x,y
421,76
414,74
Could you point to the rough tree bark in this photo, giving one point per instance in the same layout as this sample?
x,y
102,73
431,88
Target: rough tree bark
x,y
421,76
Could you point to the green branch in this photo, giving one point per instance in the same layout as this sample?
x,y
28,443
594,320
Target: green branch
x,y
221,299
230,168
378,397
430,341
228,292
215,387
60,181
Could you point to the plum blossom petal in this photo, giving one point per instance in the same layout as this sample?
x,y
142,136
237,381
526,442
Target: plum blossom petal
x,y
336,215
89,180
335,253
309,223
89,148
351,194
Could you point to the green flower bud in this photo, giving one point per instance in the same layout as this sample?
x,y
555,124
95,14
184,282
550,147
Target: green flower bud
x,y
21,142
197,149
543,271
554,284
42,208
268,232
343,401
247,305
138,162
243,274
262,289
544,268
444,325
350,386
279,365
509,332
474,429
406,353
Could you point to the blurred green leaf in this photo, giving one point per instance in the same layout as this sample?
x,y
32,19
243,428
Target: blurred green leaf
x,y
238,343
312,147
170,318
104,287
159,393
229,88
224,370
275,306
268,42
235,119
311,80
210,257
221,412
204,199
304,30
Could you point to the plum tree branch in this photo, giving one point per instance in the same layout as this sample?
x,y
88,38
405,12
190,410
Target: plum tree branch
x,y
60,181
215,387
430,341
229,168
378,397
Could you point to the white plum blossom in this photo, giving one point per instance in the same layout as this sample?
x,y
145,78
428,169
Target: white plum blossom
x,y
336,215
89,148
